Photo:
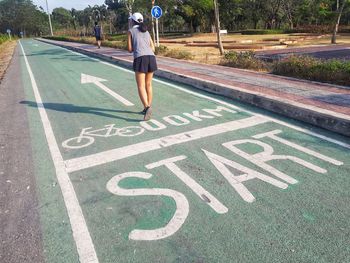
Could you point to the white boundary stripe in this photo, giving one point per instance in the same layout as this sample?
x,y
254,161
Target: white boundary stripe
x,y
345,145
81,233
156,144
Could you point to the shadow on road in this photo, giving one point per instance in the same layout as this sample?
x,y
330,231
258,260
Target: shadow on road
x,y
59,55
70,108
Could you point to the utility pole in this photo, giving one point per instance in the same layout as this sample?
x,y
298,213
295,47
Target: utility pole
x,y
217,24
48,13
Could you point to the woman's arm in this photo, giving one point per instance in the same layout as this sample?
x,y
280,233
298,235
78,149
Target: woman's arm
x,y
130,49
152,45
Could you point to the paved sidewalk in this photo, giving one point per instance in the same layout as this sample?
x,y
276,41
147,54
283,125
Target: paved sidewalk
x,y
323,105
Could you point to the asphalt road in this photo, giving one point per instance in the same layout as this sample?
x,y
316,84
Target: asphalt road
x,y
206,180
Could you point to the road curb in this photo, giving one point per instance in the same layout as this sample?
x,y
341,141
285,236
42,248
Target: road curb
x,y
332,121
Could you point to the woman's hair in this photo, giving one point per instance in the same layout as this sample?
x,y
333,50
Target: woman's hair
x,y
142,26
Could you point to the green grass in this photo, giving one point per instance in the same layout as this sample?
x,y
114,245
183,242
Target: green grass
x,y
3,38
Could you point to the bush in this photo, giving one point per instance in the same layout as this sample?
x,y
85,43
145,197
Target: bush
x,y
331,71
262,32
115,44
161,50
122,37
313,29
179,54
244,60
3,38
91,41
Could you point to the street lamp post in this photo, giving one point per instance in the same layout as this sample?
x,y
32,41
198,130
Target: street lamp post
x,y
48,13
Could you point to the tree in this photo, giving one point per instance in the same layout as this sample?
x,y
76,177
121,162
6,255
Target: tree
x,y
340,10
62,17
272,9
22,16
290,9
217,23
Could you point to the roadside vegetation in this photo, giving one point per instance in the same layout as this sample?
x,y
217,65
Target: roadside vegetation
x,y
309,68
244,60
302,67
3,38
120,42
187,30
7,48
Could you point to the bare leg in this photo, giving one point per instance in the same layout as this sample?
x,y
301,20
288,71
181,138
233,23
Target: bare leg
x,y
99,43
149,89
140,80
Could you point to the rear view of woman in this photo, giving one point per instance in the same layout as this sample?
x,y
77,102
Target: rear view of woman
x,y
142,46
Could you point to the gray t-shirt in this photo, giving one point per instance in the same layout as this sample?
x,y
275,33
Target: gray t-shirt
x,y
141,43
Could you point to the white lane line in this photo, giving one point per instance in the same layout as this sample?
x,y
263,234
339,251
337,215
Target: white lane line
x,y
80,163
306,131
97,81
85,247
320,136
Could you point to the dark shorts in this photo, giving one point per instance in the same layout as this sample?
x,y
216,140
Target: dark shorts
x,y
98,38
145,64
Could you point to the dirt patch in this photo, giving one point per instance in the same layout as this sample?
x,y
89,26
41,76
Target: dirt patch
x,y
6,53
204,49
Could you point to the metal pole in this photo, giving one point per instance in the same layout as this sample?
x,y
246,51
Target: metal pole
x,y
153,33
48,13
157,29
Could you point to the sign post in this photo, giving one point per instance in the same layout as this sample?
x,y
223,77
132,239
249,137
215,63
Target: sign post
x,y
9,33
157,13
153,30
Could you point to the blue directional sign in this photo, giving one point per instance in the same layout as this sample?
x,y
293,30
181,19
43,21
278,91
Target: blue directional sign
x,y
156,12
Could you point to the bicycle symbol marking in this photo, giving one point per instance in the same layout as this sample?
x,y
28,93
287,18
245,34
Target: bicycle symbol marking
x,y
87,136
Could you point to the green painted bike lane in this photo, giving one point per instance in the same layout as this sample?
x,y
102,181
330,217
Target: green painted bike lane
x,y
207,180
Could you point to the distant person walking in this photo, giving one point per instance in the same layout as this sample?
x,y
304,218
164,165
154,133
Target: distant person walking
x,y
97,32
142,46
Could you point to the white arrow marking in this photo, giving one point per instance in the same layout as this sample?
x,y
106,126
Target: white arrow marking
x,y
97,81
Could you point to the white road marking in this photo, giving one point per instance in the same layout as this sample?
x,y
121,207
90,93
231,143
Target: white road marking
x,y
272,135
85,247
236,181
175,223
97,81
197,94
260,159
294,127
203,194
155,144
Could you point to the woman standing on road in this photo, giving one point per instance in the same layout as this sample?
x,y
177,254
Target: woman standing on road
x,y
141,44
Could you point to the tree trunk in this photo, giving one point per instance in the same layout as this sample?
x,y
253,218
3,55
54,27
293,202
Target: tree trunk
x,y
335,31
217,23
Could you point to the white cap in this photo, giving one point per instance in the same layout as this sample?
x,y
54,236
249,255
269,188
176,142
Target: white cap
x,y
137,17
